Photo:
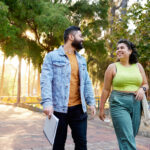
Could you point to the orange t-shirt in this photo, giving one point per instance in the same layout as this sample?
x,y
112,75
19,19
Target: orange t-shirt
x,y
74,96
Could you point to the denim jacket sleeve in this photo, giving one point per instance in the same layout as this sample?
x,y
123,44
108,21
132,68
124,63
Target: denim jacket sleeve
x,y
46,82
88,90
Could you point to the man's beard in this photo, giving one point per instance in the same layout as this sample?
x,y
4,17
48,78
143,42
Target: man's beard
x,y
77,44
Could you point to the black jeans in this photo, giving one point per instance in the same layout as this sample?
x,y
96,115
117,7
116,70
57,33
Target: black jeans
x,y
77,120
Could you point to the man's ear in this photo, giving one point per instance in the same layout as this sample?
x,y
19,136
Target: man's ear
x,y
71,37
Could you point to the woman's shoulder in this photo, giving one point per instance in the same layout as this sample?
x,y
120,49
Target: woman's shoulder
x,y
140,67
111,69
111,66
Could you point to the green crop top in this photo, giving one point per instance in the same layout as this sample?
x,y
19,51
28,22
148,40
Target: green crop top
x,y
127,78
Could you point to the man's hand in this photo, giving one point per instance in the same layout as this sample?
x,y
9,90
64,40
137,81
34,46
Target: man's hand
x,y
48,111
93,111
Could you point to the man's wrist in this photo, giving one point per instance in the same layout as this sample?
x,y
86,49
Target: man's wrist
x,y
45,106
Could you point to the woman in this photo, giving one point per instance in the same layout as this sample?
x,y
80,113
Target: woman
x,y
129,84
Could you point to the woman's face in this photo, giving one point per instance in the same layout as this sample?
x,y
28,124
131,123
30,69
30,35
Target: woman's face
x,y
123,52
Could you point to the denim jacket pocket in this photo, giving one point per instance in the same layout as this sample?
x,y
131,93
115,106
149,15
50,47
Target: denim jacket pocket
x,y
59,67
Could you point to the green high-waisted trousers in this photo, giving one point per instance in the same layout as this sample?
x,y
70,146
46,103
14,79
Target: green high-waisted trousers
x,y
126,116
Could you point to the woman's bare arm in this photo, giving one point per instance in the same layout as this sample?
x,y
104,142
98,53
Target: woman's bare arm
x,y
109,74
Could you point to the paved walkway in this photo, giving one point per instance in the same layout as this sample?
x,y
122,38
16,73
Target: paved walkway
x,y
21,129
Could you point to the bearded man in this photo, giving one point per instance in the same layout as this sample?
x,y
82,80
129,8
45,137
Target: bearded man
x,y
66,89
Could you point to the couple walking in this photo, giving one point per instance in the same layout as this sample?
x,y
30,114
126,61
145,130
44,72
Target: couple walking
x,y
66,90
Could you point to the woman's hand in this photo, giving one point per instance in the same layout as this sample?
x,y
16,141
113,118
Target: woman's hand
x,y
102,115
139,94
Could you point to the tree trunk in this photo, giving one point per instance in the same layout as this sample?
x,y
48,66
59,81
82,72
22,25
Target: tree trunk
x,y
13,89
25,81
38,83
19,81
29,93
113,12
33,82
124,4
2,77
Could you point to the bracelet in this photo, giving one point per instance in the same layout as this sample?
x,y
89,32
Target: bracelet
x,y
144,88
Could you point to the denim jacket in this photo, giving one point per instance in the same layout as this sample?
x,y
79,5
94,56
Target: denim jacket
x,y
55,81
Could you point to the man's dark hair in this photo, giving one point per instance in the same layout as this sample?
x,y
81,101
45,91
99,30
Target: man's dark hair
x,y
70,30
134,55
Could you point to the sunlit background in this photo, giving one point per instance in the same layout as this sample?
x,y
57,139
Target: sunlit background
x,y
28,75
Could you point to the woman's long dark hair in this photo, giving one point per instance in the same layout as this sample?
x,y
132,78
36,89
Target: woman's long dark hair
x,y
134,55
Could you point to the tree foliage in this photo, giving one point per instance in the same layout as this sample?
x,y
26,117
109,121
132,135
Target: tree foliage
x,y
93,20
48,20
140,16
140,36
103,23
137,14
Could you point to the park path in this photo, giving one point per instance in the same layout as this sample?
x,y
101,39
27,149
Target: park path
x,y
21,129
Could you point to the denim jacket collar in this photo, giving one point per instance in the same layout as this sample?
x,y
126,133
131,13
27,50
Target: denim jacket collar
x,y
61,50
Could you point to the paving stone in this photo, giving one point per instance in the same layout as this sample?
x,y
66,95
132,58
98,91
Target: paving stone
x,y
21,129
